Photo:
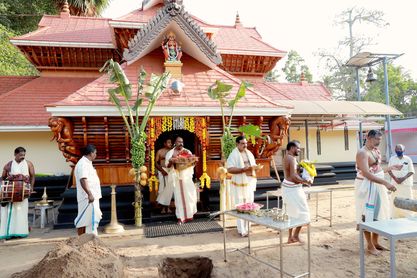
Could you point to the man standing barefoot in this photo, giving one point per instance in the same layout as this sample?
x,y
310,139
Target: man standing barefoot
x,y
165,191
292,190
375,204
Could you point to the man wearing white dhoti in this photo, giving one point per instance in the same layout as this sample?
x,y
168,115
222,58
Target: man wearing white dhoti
x,y
293,195
185,193
402,179
241,164
375,204
165,190
88,193
14,215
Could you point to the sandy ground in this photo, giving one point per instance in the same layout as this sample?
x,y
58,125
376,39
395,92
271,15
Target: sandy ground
x,y
335,250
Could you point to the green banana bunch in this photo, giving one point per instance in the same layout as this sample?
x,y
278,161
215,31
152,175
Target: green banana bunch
x,y
138,150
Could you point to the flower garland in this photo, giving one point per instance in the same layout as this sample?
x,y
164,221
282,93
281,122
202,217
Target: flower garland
x,y
153,180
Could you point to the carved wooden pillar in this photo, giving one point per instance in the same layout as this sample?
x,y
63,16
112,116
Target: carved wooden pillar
x,y
63,129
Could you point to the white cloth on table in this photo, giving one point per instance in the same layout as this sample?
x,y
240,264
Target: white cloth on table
x,y
295,200
405,189
89,214
185,192
14,216
377,202
242,189
165,190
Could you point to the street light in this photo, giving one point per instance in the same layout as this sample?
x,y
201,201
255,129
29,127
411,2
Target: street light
x,y
367,59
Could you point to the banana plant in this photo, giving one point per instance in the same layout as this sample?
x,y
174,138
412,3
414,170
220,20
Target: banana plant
x,y
121,96
220,91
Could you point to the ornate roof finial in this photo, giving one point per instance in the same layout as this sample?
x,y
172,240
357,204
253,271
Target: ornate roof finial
x,y
302,76
65,11
237,21
65,7
173,7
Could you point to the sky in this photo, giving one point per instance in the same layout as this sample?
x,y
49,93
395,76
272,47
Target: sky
x,y
307,26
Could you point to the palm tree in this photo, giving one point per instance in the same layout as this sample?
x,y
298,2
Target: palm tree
x,y
84,7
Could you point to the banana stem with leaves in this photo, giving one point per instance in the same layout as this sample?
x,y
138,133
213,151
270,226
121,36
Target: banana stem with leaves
x,y
220,91
122,92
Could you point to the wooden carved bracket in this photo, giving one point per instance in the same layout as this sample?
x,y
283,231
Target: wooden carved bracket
x,y
278,127
62,129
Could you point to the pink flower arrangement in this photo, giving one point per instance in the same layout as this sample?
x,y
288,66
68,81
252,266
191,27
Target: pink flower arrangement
x,y
248,207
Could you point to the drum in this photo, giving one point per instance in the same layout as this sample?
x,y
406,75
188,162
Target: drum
x,y
15,189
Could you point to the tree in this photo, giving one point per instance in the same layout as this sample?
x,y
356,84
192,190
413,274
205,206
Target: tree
x,y
85,7
341,80
23,16
294,67
272,76
12,62
402,89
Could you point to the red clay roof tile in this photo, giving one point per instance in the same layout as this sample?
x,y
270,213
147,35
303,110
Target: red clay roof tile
x,y
25,105
8,83
196,77
291,91
71,29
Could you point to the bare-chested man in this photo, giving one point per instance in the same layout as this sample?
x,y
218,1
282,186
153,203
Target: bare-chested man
x,y
185,192
372,194
165,191
292,190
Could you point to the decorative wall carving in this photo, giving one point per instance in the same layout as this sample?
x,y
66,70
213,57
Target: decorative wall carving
x,y
278,127
62,129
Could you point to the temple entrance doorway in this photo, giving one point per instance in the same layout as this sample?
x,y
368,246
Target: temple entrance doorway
x,y
191,142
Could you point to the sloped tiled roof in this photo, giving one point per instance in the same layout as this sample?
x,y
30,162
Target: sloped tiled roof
x,y
8,83
229,39
139,15
25,105
70,29
196,76
292,91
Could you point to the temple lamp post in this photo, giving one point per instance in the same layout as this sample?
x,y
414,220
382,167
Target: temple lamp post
x,y
367,59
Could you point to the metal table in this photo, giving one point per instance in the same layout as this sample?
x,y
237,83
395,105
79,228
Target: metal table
x,y
309,191
44,214
393,229
279,226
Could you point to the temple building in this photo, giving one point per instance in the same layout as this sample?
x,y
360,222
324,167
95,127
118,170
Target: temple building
x,y
70,96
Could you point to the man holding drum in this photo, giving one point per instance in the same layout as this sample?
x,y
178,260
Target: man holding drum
x,y
14,215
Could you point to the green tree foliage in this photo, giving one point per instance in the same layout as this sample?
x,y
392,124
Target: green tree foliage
x,y
84,7
23,16
12,61
341,80
272,76
294,66
402,89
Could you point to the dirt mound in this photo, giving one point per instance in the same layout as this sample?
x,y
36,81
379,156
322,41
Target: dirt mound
x,y
84,256
185,267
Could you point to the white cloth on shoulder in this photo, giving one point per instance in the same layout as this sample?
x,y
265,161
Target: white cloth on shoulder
x,y
185,192
295,200
242,186
14,216
242,189
377,202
